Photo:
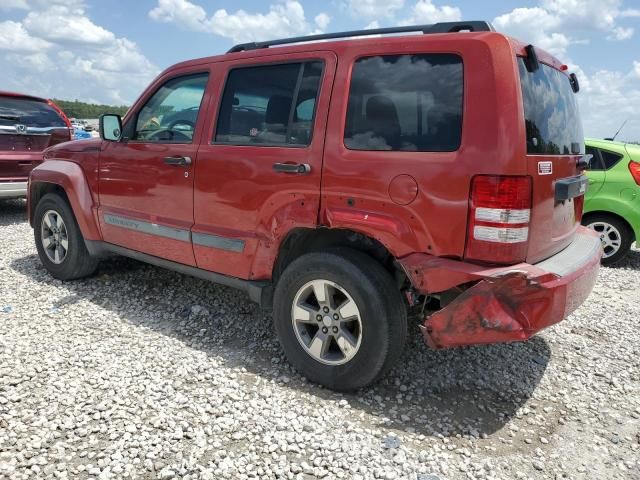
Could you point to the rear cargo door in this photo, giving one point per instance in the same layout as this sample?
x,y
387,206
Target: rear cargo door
x,y
27,127
555,144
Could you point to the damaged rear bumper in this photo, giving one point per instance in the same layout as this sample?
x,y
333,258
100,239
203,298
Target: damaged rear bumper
x,y
505,304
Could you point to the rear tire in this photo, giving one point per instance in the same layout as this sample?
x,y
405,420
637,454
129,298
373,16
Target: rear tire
x,y
615,234
59,242
363,316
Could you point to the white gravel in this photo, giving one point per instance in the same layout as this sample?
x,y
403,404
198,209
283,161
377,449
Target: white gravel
x,y
139,372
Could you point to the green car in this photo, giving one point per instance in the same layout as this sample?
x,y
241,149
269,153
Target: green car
x,y
612,202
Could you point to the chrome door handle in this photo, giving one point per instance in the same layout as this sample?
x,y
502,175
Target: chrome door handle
x,y
178,161
299,168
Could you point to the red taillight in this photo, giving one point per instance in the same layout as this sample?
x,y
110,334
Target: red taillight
x,y
499,214
634,168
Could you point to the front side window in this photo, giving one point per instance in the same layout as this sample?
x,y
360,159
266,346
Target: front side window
x,y
405,103
269,105
551,114
170,115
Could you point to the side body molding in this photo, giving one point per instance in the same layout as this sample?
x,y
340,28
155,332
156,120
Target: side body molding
x,y
71,178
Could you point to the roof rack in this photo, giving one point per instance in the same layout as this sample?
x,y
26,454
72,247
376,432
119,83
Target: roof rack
x,y
442,27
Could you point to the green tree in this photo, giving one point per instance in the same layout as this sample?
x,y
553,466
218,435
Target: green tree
x,y
78,109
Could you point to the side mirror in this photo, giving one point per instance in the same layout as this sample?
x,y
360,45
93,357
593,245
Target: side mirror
x,y
110,127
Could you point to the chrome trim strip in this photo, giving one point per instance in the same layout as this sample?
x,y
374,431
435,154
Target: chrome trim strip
x,y
203,239
221,243
13,189
148,227
11,129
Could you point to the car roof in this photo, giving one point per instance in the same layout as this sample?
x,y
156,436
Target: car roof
x,y
603,142
387,41
22,95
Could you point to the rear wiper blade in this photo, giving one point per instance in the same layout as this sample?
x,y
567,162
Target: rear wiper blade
x,y
10,117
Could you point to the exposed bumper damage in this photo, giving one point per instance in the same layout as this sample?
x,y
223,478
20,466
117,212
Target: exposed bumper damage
x,y
506,304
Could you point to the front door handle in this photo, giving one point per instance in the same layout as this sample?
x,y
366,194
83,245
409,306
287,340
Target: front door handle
x,y
178,161
299,168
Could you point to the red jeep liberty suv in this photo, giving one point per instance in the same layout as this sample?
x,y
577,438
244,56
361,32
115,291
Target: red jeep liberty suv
x,y
341,181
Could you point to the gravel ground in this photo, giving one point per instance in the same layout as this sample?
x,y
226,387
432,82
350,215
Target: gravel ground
x,y
139,372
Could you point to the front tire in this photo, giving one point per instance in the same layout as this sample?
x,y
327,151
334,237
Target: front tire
x,y
615,235
59,242
340,319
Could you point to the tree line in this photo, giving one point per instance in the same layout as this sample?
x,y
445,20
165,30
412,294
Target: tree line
x,y
78,109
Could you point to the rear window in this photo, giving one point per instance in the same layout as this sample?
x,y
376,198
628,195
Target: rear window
x,y
551,114
31,113
405,103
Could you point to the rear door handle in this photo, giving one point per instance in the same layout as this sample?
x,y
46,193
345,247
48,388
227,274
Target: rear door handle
x,y
178,161
299,168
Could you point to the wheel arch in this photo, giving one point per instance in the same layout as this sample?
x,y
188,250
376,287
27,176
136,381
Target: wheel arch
x,y
66,179
593,213
300,241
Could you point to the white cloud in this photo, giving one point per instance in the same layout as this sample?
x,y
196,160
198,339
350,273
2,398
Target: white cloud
x,y
556,24
374,8
534,25
15,38
181,12
56,50
60,23
283,19
620,33
424,12
322,20
608,98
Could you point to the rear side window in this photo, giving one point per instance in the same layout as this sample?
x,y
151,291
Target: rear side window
x,y
551,114
601,159
595,162
405,103
610,159
31,113
270,105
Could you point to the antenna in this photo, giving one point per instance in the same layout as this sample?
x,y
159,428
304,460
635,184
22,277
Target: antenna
x,y
621,127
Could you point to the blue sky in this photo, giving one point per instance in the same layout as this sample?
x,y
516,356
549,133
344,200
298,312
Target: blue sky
x,y
108,50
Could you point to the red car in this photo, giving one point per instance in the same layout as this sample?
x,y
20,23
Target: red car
x,y
28,125
341,182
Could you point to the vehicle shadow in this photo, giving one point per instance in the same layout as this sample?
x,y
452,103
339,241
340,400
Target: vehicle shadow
x,y
632,260
13,211
463,391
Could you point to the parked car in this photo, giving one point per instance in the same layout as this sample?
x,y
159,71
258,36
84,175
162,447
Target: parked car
x,y
81,133
612,203
28,125
340,182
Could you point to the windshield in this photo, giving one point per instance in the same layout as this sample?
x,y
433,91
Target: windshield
x,y
551,112
28,112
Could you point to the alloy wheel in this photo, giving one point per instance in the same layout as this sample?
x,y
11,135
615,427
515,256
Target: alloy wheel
x,y
609,236
327,322
54,236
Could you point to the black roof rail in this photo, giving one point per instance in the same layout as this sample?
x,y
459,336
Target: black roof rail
x,y
442,27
